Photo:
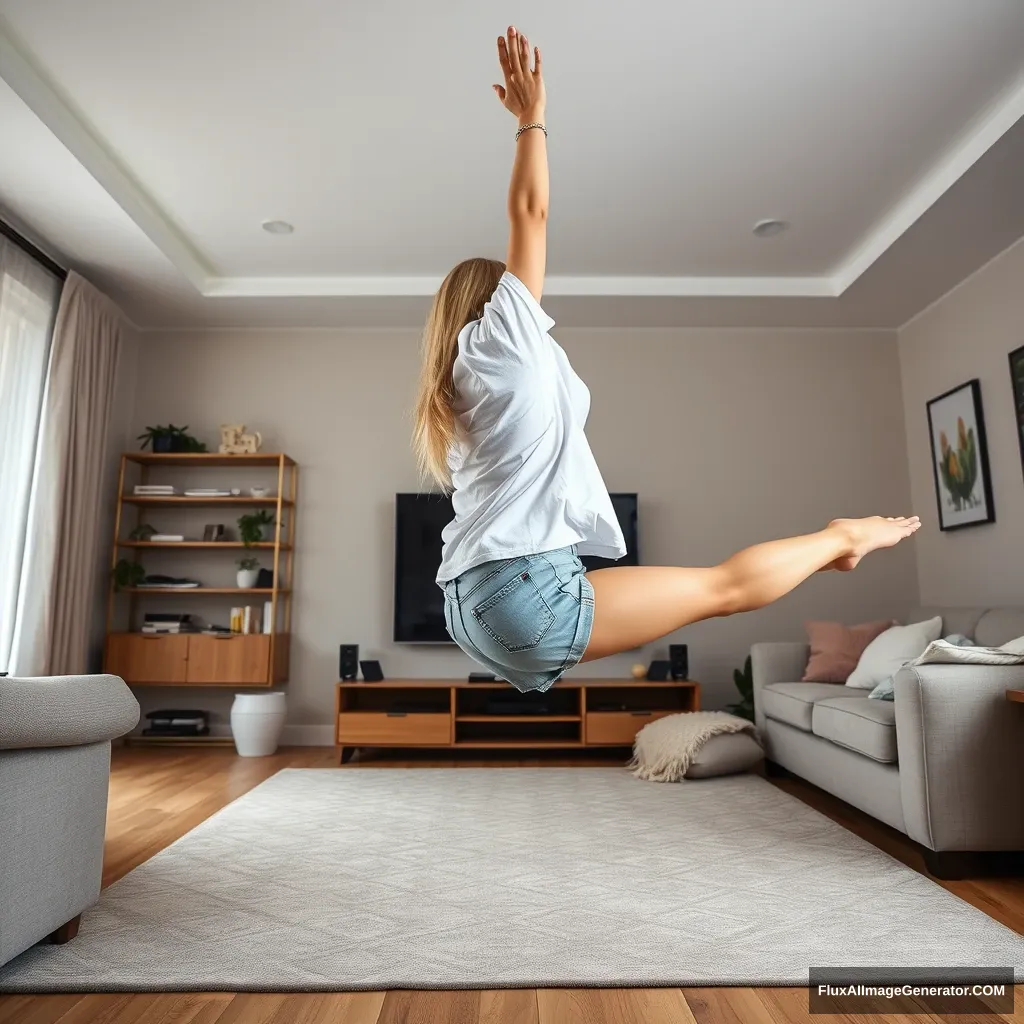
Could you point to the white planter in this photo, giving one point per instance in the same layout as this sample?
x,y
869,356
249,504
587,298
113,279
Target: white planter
x,y
256,722
247,578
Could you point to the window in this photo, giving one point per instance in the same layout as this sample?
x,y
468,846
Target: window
x,y
29,293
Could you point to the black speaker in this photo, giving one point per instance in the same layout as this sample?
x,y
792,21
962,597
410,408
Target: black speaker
x,y
371,671
679,656
348,666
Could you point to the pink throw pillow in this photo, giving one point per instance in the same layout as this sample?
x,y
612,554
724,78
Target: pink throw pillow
x,y
836,649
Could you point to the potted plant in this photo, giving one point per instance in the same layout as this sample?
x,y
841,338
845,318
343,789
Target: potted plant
x,y
170,439
252,526
127,574
248,572
745,684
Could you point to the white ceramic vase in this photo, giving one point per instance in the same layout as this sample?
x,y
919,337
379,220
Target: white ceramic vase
x,y
247,578
256,722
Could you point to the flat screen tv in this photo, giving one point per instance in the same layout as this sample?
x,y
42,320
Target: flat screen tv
x,y
419,601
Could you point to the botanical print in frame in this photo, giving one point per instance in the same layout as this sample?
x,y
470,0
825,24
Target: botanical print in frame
x,y
1017,380
959,450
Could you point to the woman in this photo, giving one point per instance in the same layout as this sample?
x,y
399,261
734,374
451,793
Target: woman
x,y
499,423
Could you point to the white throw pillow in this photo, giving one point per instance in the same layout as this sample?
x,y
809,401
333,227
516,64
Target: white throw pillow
x,y
1015,646
891,650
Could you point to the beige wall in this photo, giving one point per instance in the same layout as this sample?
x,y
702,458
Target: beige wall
x,y
969,334
730,437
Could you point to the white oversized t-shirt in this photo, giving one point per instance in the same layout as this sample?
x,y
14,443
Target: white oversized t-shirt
x,y
524,478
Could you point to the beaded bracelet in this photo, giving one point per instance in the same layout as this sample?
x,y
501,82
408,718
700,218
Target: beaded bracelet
x,y
527,127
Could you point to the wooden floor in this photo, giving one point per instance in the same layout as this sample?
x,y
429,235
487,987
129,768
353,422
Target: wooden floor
x,y
157,795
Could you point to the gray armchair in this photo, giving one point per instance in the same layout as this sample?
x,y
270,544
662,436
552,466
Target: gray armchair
x,y
55,736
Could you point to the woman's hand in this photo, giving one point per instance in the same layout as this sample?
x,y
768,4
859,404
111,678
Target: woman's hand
x,y
523,92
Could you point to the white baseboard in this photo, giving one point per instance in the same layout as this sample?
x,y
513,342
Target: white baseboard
x,y
307,736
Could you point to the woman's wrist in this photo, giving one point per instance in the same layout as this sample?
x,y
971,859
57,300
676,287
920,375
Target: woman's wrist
x,y
535,115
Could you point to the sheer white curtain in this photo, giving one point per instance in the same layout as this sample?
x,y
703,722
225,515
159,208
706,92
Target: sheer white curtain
x,y
29,295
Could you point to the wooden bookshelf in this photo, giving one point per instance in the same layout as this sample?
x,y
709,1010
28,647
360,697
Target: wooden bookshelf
x,y
196,659
456,714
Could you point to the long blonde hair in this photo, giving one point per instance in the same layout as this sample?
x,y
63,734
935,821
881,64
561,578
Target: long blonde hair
x,y
459,300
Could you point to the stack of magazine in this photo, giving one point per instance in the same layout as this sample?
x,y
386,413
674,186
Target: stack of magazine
x,y
167,622
154,490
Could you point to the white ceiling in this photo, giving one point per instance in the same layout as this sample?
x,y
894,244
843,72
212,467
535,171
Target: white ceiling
x,y
146,143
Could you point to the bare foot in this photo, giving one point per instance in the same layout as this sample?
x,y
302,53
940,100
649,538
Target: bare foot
x,y
867,535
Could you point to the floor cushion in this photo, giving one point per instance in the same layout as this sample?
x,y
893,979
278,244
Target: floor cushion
x,y
726,755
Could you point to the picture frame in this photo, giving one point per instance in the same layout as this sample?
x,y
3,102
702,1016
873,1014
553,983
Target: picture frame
x,y
963,483
213,532
1017,383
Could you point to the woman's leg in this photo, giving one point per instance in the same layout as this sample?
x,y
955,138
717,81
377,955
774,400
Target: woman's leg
x,y
634,605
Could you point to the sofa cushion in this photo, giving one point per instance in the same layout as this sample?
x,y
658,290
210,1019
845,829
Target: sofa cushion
x,y
792,702
867,726
890,651
999,626
836,649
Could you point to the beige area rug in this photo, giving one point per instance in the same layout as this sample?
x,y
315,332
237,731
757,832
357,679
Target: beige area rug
x,y
489,878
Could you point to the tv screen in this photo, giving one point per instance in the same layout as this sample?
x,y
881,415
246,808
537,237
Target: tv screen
x,y
419,601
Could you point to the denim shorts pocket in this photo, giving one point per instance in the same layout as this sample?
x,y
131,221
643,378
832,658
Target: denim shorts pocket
x,y
517,616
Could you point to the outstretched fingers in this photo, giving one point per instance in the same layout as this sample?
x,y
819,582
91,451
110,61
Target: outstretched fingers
x,y
514,51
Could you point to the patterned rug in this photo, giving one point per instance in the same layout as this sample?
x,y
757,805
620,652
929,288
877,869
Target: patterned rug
x,y
492,878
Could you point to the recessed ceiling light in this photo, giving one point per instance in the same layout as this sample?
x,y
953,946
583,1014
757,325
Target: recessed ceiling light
x,y
770,228
278,227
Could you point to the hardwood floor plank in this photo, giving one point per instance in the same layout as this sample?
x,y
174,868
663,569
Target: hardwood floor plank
x,y
448,1007
303,1008
726,1006
30,1009
613,1006
170,1008
509,1006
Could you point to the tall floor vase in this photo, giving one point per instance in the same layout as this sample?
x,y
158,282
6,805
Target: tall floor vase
x,y
256,722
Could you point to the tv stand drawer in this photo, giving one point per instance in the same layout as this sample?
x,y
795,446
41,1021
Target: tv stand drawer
x,y
382,728
619,728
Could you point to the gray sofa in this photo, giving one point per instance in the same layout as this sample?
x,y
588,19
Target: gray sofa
x,y
55,738
943,763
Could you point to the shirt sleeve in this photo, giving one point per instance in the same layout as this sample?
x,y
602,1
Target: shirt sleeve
x,y
510,336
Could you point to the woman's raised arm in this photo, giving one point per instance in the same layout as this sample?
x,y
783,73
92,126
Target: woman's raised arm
x,y
524,96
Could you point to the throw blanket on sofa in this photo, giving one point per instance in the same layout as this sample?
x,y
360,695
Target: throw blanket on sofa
x,y
939,652
665,749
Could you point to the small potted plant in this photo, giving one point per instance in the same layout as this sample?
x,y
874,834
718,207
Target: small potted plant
x,y
170,439
127,574
252,526
248,572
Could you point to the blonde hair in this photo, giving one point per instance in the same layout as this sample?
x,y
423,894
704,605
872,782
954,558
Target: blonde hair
x,y
459,300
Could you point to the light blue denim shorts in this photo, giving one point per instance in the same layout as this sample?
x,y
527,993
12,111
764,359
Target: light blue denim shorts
x,y
526,619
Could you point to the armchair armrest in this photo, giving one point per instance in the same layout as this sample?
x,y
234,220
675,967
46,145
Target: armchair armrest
x,y
775,663
64,711
961,756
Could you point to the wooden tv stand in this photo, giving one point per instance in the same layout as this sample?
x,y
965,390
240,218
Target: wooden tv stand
x,y
455,714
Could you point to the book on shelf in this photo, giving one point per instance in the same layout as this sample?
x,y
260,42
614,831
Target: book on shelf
x,y
161,538
154,489
167,617
207,492
245,620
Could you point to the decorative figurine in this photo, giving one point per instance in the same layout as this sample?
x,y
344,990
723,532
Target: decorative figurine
x,y
235,441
